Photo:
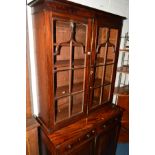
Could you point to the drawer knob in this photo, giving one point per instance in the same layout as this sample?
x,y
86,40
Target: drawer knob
x,y
63,92
104,126
93,131
89,53
91,72
69,146
88,135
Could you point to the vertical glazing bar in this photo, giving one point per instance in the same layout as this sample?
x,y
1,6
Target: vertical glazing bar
x,y
104,68
70,65
55,74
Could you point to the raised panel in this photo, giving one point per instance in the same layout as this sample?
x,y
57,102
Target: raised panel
x,y
106,141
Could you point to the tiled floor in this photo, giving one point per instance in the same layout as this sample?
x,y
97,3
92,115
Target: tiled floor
x,y
122,149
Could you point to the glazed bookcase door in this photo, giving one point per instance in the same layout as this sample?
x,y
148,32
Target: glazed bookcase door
x,y
69,59
102,65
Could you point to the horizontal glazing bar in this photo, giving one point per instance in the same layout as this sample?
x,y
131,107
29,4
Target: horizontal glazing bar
x,y
74,93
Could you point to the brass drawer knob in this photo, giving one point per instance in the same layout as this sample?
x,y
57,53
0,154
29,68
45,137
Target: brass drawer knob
x,y
88,135
104,126
93,131
69,146
63,92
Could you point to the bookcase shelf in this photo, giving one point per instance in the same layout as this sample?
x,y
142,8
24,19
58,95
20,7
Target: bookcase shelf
x,y
122,90
123,69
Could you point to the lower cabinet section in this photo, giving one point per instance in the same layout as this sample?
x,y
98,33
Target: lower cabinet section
x,y
95,136
85,148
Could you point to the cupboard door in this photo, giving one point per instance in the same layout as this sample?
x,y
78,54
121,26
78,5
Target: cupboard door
x,y
106,141
69,41
103,62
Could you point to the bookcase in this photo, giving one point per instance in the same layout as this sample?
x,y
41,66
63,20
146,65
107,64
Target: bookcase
x,y
76,51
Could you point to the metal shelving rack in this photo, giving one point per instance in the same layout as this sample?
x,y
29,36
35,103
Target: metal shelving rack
x,y
122,87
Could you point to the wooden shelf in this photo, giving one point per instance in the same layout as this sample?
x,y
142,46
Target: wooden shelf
x,y
64,90
101,61
68,44
65,63
98,82
123,69
122,90
79,62
124,50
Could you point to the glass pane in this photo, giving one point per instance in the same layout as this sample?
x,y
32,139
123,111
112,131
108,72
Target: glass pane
x,y
78,80
96,96
110,55
61,109
112,46
61,30
80,35
108,74
113,36
79,57
61,83
102,41
98,76
77,103
102,34
106,93
61,60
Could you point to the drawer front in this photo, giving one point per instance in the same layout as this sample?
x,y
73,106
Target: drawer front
x,y
76,144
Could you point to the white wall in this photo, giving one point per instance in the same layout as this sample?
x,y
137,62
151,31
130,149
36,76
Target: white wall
x,y
119,7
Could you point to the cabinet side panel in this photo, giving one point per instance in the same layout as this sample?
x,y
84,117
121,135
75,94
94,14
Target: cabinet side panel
x,y
29,109
41,63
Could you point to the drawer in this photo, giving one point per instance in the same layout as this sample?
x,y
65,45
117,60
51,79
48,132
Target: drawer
x,y
78,141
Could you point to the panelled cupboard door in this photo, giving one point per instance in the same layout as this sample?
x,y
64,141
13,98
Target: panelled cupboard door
x,y
106,141
70,66
103,62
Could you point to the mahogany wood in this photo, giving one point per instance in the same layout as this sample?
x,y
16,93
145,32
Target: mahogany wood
x,y
123,101
76,51
28,86
32,137
102,125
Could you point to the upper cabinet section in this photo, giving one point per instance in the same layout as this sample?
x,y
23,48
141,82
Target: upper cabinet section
x,y
76,51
